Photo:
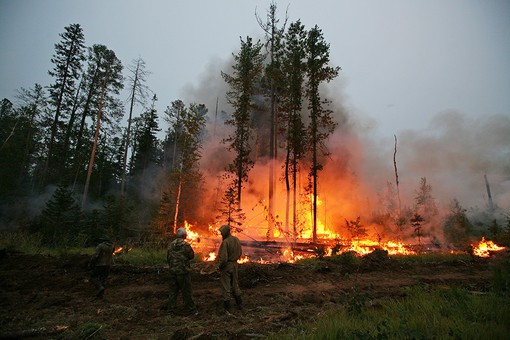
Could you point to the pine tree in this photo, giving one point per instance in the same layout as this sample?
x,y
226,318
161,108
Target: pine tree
x,y
457,226
230,212
110,71
273,81
36,117
146,152
247,69
67,60
321,123
60,219
294,68
425,207
138,93
185,137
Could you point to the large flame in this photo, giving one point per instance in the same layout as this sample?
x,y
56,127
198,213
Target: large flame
x,y
485,247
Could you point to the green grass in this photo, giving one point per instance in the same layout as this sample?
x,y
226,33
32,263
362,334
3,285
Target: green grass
x,y
20,241
431,257
145,257
442,313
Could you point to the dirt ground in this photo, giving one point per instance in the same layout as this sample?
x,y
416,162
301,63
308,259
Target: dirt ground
x,y
41,291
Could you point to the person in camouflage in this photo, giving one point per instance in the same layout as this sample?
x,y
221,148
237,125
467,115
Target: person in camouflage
x,y
230,251
100,264
178,256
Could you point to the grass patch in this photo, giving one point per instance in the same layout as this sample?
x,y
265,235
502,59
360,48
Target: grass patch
x,y
436,257
21,241
145,257
442,313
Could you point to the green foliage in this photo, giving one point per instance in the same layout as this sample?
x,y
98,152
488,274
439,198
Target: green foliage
x,y
356,229
230,213
60,219
501,278
457,226
145,256
247,70
443,313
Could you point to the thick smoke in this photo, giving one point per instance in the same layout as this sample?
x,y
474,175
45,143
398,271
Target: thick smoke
x,y
453,153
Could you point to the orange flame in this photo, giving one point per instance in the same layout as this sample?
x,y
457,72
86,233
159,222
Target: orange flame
x,y
120,250
483,248
211,257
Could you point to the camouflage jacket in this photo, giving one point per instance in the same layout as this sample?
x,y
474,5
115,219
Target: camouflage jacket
x,y
230,251
103,254
179,255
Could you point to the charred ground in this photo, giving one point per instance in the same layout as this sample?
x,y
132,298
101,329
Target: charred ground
x,y
41,291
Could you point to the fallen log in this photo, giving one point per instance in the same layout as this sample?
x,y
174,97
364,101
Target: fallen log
x,y
41,331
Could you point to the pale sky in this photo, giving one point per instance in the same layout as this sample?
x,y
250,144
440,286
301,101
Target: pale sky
x,y
403,61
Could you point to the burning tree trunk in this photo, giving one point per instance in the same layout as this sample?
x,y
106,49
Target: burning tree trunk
x,y
274,36
321,122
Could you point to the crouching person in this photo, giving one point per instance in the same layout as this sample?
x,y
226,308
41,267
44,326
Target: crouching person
x,y
178,256
100,264
230,251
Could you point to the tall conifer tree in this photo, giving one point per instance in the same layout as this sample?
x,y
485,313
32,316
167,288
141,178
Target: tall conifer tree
x,y
247,69
68,58
321,123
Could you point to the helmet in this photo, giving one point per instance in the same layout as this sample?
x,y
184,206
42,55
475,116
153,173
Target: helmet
x,y
181,233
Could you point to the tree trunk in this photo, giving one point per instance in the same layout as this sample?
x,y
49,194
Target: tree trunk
x,y
128,132
96,138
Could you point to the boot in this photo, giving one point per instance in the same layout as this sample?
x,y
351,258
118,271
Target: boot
x,y
239,302
226,306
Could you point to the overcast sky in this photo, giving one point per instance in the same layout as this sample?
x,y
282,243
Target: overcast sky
x,y
403,61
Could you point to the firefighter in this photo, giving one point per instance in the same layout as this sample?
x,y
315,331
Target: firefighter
x,y
178,256
100,264
230,251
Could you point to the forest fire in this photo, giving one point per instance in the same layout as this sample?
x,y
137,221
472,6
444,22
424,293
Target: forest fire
x,y
280,250
484,248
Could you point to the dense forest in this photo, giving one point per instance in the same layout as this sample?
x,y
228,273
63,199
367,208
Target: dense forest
x,y
77,162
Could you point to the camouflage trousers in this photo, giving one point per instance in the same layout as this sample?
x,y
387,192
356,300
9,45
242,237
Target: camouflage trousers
x,y
180,283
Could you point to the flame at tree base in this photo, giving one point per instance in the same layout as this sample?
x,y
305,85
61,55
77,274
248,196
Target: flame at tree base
x,y
281,250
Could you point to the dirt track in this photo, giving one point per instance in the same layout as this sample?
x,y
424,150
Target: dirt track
x,y
40,291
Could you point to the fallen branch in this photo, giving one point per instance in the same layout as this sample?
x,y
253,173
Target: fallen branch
x,y
33,332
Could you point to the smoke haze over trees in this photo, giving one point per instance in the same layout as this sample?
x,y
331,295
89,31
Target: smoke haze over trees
x,y
74,143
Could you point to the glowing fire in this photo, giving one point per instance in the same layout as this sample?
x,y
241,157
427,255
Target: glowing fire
x,y
191,236
211,257
289,256
208,240
483,248
120,250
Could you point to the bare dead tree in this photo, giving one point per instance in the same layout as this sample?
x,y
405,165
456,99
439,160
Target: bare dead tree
x,y
396,176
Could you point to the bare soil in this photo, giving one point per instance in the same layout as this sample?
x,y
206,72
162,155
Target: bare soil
x,y
42,291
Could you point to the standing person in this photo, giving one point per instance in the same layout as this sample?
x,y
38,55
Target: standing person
x,y
100,264
178,256
230,251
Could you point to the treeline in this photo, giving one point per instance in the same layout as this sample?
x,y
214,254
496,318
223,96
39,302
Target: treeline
x,y
71,170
